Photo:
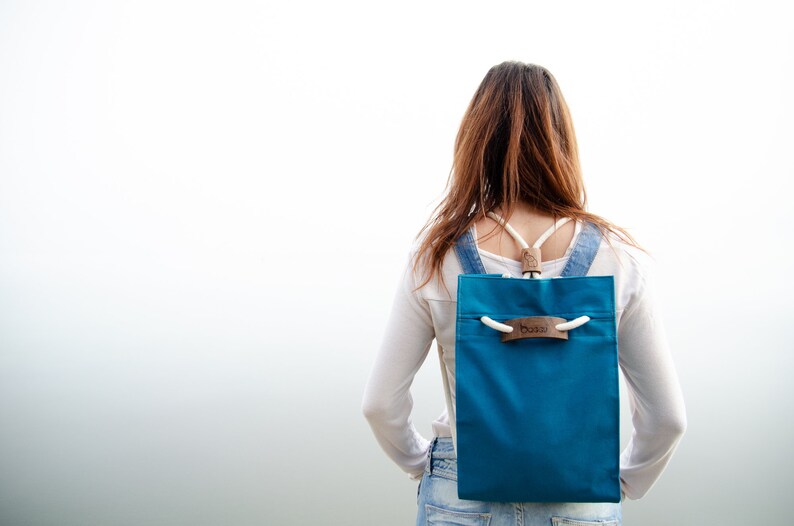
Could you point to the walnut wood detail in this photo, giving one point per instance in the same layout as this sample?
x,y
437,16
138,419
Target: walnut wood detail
x,y
534,327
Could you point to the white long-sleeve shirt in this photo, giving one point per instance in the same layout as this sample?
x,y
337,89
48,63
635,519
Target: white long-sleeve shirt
x,y
417,318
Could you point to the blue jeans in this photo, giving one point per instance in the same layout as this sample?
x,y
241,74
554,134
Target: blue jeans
x,y
439,505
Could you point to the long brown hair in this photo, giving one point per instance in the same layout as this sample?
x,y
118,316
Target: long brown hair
x,y
516,143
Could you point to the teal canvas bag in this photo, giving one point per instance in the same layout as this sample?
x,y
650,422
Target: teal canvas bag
x,y
536,413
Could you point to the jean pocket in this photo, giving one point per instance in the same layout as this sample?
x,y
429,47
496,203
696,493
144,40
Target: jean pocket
x,y
566,521
441,517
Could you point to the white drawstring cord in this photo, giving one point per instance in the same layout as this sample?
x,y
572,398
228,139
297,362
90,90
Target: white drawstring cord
x,y
520,240
501,327
509,228
577,322
567,326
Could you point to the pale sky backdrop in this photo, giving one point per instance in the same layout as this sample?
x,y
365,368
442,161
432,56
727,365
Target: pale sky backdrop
x,y
205,208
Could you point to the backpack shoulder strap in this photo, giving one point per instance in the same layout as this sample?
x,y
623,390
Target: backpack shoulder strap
x,y
466,250
583,252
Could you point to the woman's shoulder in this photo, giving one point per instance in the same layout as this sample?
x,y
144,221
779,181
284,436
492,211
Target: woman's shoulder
x,y
617,252
631,266
435,289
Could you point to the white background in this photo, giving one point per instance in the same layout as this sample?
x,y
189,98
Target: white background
x,y
205,208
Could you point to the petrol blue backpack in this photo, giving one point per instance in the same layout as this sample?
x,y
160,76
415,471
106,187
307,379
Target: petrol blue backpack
x,y
536,413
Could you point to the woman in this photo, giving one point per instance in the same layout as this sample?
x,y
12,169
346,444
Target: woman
x,y
516,160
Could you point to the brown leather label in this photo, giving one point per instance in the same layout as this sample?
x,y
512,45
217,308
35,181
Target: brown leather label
x,y
534,327
530,259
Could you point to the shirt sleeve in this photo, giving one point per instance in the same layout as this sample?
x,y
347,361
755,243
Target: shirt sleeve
x,y
387,401
657,406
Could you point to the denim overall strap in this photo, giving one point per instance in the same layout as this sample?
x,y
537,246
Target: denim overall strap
x,y
466,249
583,252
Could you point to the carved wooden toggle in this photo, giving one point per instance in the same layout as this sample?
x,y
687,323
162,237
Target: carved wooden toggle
x,y
530,259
